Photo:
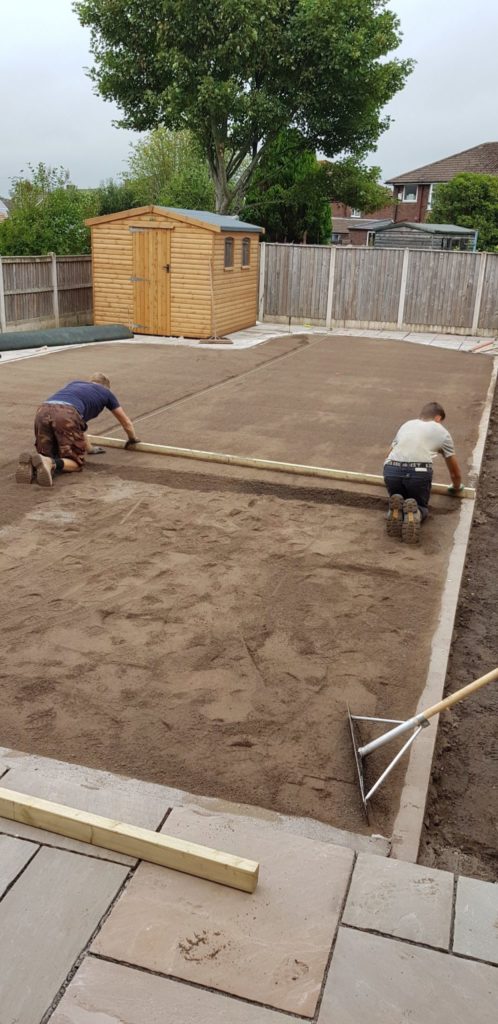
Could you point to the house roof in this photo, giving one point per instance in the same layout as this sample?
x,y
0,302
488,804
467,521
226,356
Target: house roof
x,y
430,229
481,159
212,221
343,224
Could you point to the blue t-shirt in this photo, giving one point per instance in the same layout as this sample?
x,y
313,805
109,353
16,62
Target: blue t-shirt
x,y
87,397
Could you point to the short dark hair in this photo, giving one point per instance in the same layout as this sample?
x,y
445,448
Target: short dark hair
x,y
431,410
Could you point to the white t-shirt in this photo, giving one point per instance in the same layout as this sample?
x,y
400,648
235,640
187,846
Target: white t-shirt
x,y
420,441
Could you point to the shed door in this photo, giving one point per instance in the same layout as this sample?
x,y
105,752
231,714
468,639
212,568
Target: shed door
x,y
151,280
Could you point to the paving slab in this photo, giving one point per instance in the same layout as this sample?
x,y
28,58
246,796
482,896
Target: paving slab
x,y
106,993
46,919
401,899
476,919
14,855
384,981
129,800
271,947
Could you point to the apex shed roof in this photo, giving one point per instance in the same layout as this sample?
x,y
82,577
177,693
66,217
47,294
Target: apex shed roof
x,y
341,224
203,218
481,159
430,229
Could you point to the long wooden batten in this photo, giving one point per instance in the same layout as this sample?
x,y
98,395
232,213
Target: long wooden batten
x,y
264,464
167,851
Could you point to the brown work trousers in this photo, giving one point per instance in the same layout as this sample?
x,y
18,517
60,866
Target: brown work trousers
x,y
60,432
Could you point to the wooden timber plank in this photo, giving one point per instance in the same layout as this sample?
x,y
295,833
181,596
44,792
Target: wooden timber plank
x,y
265,464
169,852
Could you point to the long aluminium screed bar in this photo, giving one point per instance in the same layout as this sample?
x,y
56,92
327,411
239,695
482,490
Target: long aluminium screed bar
x,y
263,464
416,723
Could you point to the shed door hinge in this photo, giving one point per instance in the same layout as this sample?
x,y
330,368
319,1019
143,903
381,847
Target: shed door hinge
x,y
134,278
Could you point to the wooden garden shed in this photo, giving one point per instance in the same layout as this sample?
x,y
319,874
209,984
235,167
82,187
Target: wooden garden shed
x,y
185,273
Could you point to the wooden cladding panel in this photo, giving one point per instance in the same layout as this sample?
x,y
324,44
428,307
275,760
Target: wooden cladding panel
x,y
235,290
112,266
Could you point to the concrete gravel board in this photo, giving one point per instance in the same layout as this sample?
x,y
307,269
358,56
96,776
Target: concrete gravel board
x,y
46,919
14,855
401,899
105,993
384,981
129,800
270,947
476,919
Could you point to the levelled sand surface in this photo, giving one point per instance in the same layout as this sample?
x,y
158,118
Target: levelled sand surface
x,y
201,626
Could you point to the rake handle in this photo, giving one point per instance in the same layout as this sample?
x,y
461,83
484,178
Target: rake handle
x,y
459,695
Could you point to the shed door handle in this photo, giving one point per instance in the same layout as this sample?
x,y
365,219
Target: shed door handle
x,y
166,267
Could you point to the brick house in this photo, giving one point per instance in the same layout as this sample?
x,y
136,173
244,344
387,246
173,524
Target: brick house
x,y
414,189
413,193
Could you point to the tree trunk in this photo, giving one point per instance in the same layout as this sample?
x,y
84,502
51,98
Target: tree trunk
x,y
222,195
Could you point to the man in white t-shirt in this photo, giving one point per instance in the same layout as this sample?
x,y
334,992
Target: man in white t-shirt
x,y
408,471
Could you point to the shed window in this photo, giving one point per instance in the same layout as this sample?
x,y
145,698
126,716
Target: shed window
x,y
246,252
410,193
228,253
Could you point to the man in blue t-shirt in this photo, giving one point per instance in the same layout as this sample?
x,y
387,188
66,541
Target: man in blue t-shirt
x,y
60,429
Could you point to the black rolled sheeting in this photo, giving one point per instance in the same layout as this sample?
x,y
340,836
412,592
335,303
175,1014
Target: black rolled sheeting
x,y
63,336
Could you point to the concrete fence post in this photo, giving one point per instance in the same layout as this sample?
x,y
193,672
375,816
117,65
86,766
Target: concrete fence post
x,y
479,290
55,293
402,288
262,267
330,290
3,319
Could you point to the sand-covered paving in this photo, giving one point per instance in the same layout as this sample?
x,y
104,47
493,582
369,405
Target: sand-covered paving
x,y
204,626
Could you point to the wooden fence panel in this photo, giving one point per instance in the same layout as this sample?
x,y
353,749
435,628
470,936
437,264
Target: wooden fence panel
x,y
441,288
27,287
296,281
74,284
367,283
488,316
29,290
438,290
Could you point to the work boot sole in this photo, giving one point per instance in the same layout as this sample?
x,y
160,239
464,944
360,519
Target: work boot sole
x,y
43,467
394,521
25,473
412,519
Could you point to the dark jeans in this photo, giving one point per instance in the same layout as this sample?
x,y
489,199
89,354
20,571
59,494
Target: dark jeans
x,y
410,482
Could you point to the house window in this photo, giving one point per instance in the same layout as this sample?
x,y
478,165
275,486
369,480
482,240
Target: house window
x,y
228,253
355,212
430,197
246,252
410,193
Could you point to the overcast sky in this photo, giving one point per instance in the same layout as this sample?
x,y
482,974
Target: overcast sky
x,y
49,112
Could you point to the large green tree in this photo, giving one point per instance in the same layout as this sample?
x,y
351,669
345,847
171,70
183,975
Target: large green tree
x,y
353,183
169,168
471,201
291,191
114,196
238,72
46,214
288,194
